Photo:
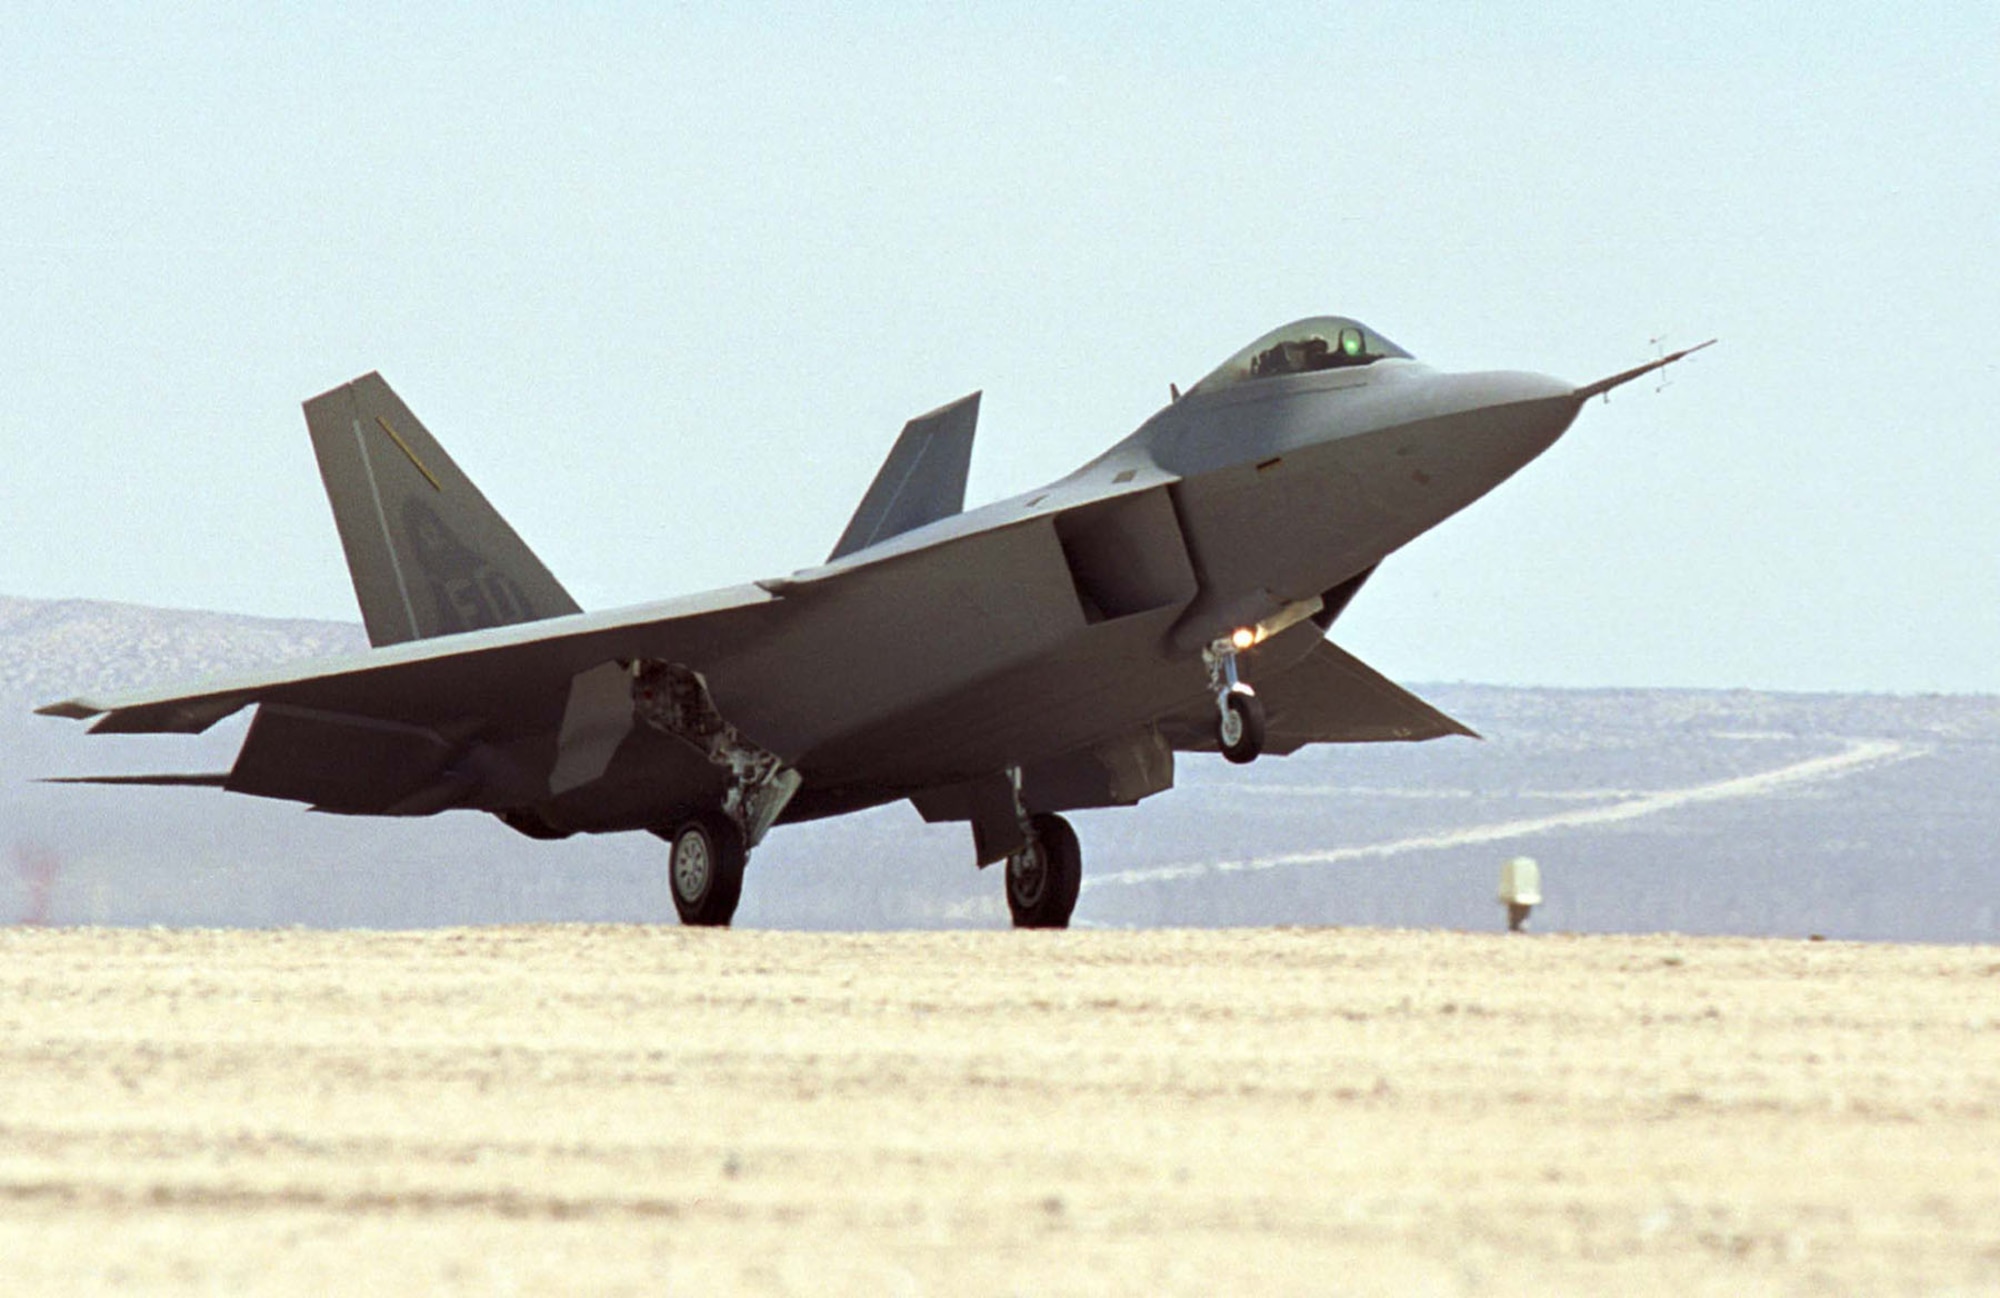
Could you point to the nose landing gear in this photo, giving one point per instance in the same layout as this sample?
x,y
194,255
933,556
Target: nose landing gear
x,y
1241,728
1239,725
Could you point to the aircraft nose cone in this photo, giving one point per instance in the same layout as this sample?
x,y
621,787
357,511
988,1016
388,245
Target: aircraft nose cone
x,y
1469,434
1508,418
1506,387
1517,388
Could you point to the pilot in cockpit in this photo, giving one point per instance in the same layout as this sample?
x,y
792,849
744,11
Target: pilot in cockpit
x,y
1292,357
1305,355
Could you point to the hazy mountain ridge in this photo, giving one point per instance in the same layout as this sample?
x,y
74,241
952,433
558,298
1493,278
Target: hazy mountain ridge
x,y
1707,811
52,649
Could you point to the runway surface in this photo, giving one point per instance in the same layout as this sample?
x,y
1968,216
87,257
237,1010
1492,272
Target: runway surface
x,y
652,1110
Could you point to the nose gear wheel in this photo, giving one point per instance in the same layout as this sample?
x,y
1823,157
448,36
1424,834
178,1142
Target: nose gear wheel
x,y
1239,727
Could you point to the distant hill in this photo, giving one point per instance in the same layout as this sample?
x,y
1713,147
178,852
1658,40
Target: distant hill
x,y
1702,811
54,648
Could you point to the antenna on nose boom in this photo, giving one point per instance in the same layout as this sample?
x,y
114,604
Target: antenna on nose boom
x,y
1602,386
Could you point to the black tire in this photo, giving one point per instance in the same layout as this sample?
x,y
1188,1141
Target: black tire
x,y
705,870
1044,878
1247,711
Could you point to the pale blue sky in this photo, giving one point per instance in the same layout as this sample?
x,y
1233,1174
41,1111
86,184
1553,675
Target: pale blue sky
x,y
667,281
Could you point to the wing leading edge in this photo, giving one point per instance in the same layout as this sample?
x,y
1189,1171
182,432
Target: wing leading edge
x,y
474,720
479,667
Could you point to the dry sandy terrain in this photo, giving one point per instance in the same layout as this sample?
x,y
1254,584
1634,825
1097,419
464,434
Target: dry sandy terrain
x,y
650,1110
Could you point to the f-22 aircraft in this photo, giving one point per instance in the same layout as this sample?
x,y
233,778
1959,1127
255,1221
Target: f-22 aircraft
x,y
998,667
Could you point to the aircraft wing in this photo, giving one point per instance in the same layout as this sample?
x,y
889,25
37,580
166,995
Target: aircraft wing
x,y
513,715
428,681
1329,697
504,717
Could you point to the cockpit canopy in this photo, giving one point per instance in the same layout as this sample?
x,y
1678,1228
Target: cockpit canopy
x,y
1326,342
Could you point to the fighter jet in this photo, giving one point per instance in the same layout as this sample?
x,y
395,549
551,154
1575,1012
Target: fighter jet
x,y
996,667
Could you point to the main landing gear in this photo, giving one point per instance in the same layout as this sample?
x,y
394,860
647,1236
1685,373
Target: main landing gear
x,y
705,869
1240,724
1044,877
1045,874
710,848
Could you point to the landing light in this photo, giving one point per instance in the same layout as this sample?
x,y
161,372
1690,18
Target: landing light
x,y
1243,637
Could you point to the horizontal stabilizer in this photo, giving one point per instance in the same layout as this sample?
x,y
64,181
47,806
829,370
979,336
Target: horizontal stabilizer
x,y
429,555
922,481
1331,697
346,763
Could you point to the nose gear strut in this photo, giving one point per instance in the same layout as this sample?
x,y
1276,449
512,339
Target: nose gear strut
x,y
1239,728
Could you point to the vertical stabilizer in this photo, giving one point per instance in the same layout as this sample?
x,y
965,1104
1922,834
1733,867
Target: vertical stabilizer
x,y
429,556
922,481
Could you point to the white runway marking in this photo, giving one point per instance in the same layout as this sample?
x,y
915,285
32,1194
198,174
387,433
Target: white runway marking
x,y
1223,788
1860,755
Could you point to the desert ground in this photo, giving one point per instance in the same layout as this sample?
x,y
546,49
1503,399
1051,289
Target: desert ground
x,y
661,1111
